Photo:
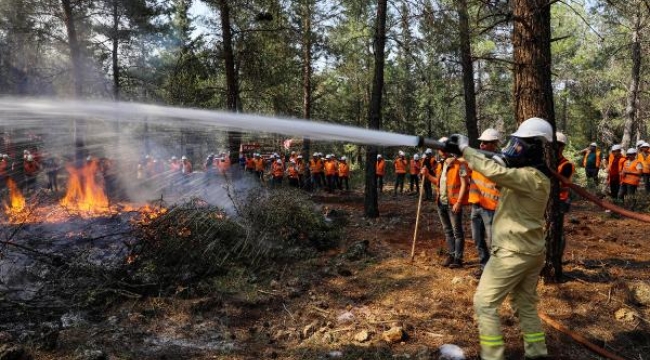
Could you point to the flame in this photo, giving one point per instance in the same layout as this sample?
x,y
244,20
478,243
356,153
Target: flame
x,y
84,192
16,197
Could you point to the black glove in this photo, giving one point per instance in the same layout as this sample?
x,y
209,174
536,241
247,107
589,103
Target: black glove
x,y
456,144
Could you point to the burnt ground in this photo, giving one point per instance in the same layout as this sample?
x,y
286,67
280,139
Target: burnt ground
x,y
342,303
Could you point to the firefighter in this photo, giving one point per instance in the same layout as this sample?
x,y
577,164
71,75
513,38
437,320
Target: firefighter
x,y
380,171
277,172
330,172
518,243
259,167
292,173
452,182
31,168
414,173
614,165
644,157
344,173
591,162
316,170
428,162
631,171
401,166
250,164
566,169
483,198
301,168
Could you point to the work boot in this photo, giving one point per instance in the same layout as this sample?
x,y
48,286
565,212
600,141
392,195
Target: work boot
x,y
448,261
456,263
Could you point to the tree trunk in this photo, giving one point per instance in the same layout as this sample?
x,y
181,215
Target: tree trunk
x,y
533,95
116,67
371,206
633,89
306,71
468,73
232,88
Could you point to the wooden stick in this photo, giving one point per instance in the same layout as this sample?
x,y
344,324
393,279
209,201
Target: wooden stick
x,y
579,338
417,220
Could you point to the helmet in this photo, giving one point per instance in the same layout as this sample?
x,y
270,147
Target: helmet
x,y
489,135
639,143
416,157
292,161
428,151
593,145
535,127
645,144
400,153
315,154
173,157
631,151
617,147
443,139
343,158
30,157
299,157
87,158
378,156
328,156
183,157
279,161
561,138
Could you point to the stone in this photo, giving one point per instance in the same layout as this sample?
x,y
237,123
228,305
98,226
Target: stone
x,y
640,292
624,314
393,335
362,336
309,330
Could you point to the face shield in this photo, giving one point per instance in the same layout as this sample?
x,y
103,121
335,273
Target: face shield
x,y
520,152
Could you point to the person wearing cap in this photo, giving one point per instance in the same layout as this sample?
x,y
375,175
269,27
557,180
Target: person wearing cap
x,y
301,168
277,172
344,173
316,168
631,171
259,166
452,182
483,199
380,171
414,173
249,164
614,165
401,166
31,169
518,248
644,157
428,162
330,172
591,162
292,173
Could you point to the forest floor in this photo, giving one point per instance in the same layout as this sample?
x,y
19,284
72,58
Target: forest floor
x,y
352,302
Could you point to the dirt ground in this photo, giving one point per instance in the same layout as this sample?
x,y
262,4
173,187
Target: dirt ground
x,y
343,303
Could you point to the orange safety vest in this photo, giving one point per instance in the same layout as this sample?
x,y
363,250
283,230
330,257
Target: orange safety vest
x,y
414,167
277,169
293,172
564,188
259,164
617,167
31,168
316,166
330,168
453,181
629,173
250,163
3,168
344,169
174,166
584,159
400,166
381,168
645,160
483,191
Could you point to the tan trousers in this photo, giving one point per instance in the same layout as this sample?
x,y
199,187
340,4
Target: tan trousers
x,y
516,274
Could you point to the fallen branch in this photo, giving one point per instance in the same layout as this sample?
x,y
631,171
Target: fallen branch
x,y
579,338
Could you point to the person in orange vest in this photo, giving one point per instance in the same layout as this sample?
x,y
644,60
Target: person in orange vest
x,y
259,167
380,171
330,172
301,168
614,171
483,198
401,166
631,171
428,162
4,171
316,168
249,164
31,168
591,162
566,169
644,158
414,173
292,174
453,190
277,172
344,173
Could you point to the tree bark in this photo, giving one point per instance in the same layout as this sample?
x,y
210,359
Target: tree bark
x,y
116,66
232,88
533,95
633,89
306,71
371,206
471,121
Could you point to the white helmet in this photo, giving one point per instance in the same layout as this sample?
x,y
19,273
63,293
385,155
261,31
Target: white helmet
x,y
645,144
535,127
616,147
299,157
279,161
183,157
443,139
489,135
631,151
401,153
378,156
30,157
639,143
292,161
416,157
328,156
428,152
343,158
593,145
561,138
173,157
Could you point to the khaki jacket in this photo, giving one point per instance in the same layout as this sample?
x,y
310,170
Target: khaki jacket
x,y
519,221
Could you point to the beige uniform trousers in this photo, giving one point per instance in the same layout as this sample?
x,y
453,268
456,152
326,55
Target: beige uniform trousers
x,y
516,274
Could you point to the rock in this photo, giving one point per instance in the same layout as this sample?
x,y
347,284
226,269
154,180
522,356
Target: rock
x,y
640,292
309,330
451,352
362,336
5,337
13,352
624,314
92,355
393,335
346,317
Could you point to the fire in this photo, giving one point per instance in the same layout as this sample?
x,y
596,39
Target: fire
x,y
16,197
84,192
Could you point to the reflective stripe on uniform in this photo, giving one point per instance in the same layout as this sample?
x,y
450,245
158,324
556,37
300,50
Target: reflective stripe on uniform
x,y
494,340
534,337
